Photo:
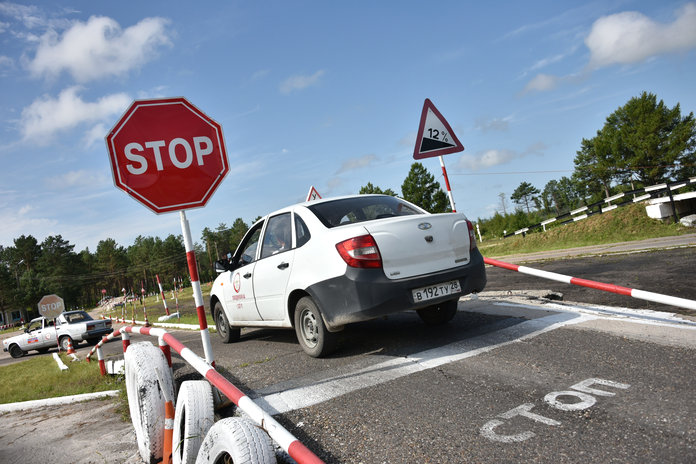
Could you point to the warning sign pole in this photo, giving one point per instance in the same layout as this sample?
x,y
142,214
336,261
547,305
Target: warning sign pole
x,y
196,285
449,189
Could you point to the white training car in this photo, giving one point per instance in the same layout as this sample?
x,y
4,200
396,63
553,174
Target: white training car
x,y
320,265
41,333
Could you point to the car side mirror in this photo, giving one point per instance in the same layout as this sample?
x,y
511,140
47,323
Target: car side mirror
x,y
222,265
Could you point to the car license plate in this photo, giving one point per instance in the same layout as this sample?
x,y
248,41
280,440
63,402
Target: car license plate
x,y
436,291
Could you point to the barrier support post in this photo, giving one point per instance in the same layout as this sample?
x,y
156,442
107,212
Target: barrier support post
x,y
125,339
169,413
100,357
196,286
166,350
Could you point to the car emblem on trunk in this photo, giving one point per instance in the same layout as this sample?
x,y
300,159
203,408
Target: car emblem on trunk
x,y
424,226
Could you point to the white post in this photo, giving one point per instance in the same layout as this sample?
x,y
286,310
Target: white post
x,y
196,285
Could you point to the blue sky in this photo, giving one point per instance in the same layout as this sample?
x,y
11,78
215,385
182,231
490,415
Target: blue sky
x,y
317,93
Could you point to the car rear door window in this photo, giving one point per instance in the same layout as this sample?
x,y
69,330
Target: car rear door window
x,y
302,235
278,235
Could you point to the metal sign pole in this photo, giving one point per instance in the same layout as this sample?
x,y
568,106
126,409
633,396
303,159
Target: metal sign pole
x,y
449,189
196,285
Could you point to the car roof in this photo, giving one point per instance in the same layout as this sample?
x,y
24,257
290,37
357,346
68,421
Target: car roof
x,y
322,200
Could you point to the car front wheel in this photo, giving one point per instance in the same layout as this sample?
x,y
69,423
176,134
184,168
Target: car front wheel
x,y
314,337
227,334
64,343
16,351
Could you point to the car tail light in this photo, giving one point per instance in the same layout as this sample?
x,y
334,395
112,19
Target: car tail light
x,y
108,322
360,252
472,235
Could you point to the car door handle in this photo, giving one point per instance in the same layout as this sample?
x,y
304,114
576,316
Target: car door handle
x,y
283,265
247,275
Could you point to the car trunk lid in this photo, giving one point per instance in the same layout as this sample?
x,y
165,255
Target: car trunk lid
x,y
422,244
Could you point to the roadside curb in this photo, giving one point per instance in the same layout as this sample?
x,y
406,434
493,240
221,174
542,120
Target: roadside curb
x,y
24,405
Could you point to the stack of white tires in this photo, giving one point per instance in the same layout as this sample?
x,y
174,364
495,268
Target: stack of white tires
x,y
197,439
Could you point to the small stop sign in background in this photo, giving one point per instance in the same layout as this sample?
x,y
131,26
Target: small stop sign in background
x,y
167,154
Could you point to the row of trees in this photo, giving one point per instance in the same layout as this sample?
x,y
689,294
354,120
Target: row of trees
x,y
29,269
642,143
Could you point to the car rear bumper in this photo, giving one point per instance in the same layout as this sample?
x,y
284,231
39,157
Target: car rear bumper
x,y
364,294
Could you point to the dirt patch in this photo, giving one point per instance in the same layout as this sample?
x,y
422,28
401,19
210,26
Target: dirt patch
x,y
84,433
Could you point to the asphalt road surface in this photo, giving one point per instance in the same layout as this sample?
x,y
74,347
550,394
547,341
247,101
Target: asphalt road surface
x,y
593,377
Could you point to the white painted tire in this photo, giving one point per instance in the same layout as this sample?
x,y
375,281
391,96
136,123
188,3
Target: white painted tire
x,y
194,417
238,439
145,398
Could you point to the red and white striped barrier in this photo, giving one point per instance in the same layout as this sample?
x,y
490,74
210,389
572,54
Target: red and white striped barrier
x,y
277,432
632,292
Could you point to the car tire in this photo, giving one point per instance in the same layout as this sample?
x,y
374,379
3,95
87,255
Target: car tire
x,y
63,341
227,334
312,334
440,313
145,397
236,440
193,418
16,351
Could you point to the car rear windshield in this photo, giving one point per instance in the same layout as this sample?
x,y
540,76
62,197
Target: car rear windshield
x,y
358,209
78,317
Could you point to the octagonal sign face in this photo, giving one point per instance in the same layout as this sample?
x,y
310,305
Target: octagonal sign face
x,y
167,154
51,306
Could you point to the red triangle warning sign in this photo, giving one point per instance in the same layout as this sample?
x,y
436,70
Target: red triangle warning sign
x,y
435,135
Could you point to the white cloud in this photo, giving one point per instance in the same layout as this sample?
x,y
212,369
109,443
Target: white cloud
x,y
24,210
94,135
260,74
6,62
98,48
485,159
47,115
30,16
356,163
631,37
489,158
299,82
78,179
485,124
542,83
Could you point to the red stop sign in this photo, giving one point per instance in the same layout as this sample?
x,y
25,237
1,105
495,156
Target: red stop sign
x,y
167,154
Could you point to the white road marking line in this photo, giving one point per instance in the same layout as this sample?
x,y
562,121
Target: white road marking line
x,y
638,316
320,391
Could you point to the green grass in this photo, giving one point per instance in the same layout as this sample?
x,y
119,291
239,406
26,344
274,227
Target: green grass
x,y
40,377
625,224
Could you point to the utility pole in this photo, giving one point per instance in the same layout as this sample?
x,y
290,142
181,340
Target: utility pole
x,y
502,202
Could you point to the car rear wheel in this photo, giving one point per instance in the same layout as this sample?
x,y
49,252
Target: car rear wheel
x,y
440,313
314,337
16,351
227,334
